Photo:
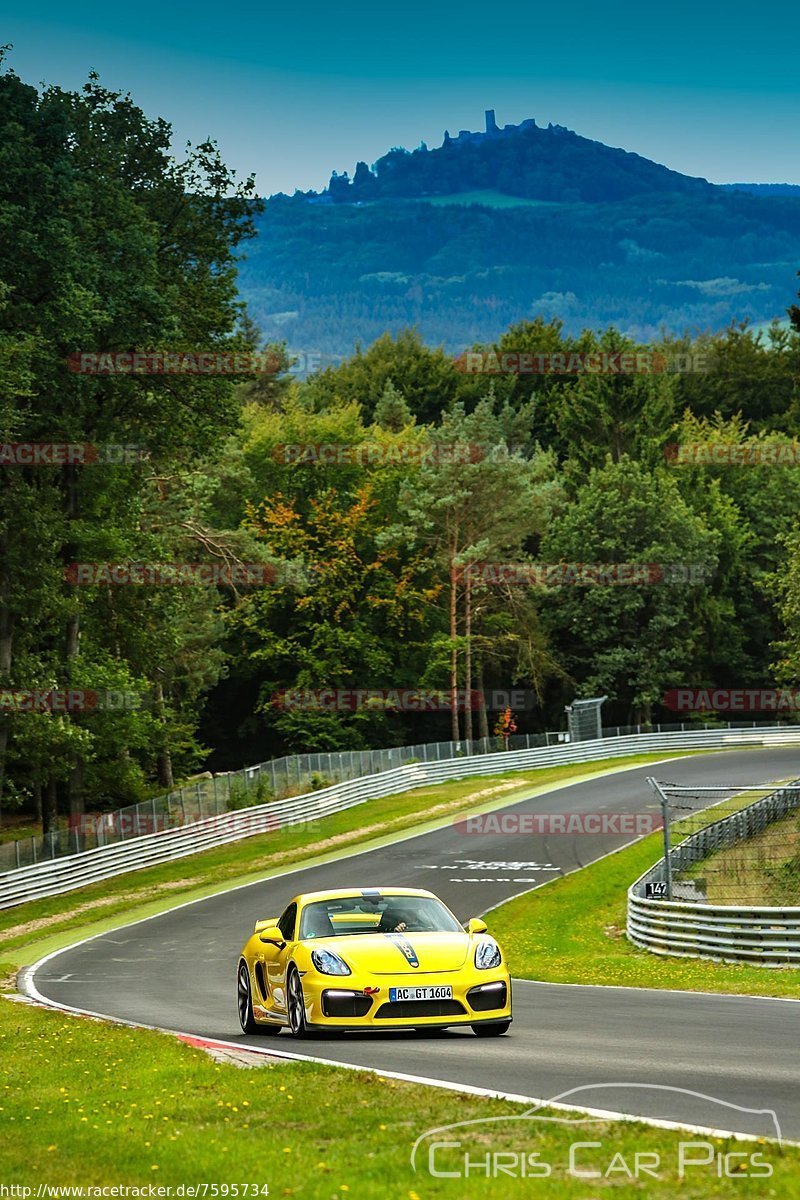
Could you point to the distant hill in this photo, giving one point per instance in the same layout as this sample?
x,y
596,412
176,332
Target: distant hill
x,y
496,227
551,163
765,189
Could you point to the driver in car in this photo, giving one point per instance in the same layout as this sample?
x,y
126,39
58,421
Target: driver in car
x,y
392,921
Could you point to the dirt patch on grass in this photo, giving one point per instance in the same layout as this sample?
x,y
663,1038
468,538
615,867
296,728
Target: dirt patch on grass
x,y
134,897
8,978
381,827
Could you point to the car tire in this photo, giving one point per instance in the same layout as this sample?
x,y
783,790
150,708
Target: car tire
x,y
494,1030
295,1004
244,999
245,1003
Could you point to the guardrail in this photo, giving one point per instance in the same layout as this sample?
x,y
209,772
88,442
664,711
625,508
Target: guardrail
x,y
276,779
757,934
60,875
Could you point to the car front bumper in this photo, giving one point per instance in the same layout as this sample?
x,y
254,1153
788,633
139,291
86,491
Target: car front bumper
x,y
334,1004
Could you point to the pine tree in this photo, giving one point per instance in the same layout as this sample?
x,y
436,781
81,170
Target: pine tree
x,y
391,412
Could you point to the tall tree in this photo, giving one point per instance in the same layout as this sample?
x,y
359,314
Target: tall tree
x,y
630,641
475,502
125,248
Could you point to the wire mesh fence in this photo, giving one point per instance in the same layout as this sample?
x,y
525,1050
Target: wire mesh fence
x,y
275,779
211,795
730,845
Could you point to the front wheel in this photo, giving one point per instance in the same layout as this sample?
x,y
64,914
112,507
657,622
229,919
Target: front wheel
x,y
495,1030
296,1004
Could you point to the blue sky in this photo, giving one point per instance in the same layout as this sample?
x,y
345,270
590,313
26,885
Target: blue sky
x,y
294,90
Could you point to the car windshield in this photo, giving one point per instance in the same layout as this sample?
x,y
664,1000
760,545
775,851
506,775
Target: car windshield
x,y
376,914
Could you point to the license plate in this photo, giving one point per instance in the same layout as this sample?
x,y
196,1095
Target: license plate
x,y
420,993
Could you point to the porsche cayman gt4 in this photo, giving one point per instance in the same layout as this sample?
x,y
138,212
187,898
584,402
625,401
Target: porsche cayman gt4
x,y
373,958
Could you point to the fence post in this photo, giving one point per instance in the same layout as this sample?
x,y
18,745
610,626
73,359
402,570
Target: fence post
x,y
665,816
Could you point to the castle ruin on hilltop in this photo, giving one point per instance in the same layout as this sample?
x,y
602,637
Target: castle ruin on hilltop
x,y
493,130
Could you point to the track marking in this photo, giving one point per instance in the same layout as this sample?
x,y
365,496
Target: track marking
x,y
26,981
468,1089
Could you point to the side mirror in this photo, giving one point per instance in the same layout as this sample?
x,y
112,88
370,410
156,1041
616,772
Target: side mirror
x,y
476,925
271,935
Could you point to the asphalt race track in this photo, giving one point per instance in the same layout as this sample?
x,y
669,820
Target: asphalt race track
x,y
177,971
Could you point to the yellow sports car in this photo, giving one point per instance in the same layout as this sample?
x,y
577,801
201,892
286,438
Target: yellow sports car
x,y
371,958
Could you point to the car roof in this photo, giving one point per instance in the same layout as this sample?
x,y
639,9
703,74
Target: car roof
x,y
344,893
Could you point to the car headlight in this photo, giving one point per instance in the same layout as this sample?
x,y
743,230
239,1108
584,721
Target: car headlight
x,y
487,955
329,963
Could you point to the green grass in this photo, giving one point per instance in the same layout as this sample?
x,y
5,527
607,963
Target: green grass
x,y
82,1103
764,869
140,893
18,831
573,931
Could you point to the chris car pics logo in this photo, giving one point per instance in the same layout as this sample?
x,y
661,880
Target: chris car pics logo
x,y
510,1146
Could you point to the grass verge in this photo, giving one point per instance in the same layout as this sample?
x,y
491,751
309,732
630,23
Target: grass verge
x,y
765,869
572,930
87,1104
114,901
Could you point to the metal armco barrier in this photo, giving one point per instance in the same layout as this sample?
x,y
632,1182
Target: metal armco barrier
x,y
761,935
61,875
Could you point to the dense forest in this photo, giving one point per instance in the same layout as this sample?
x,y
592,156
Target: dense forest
x,y
327,278
190,548
494,228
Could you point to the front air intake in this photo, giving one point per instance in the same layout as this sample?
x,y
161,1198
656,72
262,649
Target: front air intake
x,y
339,1003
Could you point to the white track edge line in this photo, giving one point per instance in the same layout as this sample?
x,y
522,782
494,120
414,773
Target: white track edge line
x,y
353,853
443,1084
28,986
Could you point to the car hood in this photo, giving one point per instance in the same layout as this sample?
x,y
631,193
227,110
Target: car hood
x,y
399,953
